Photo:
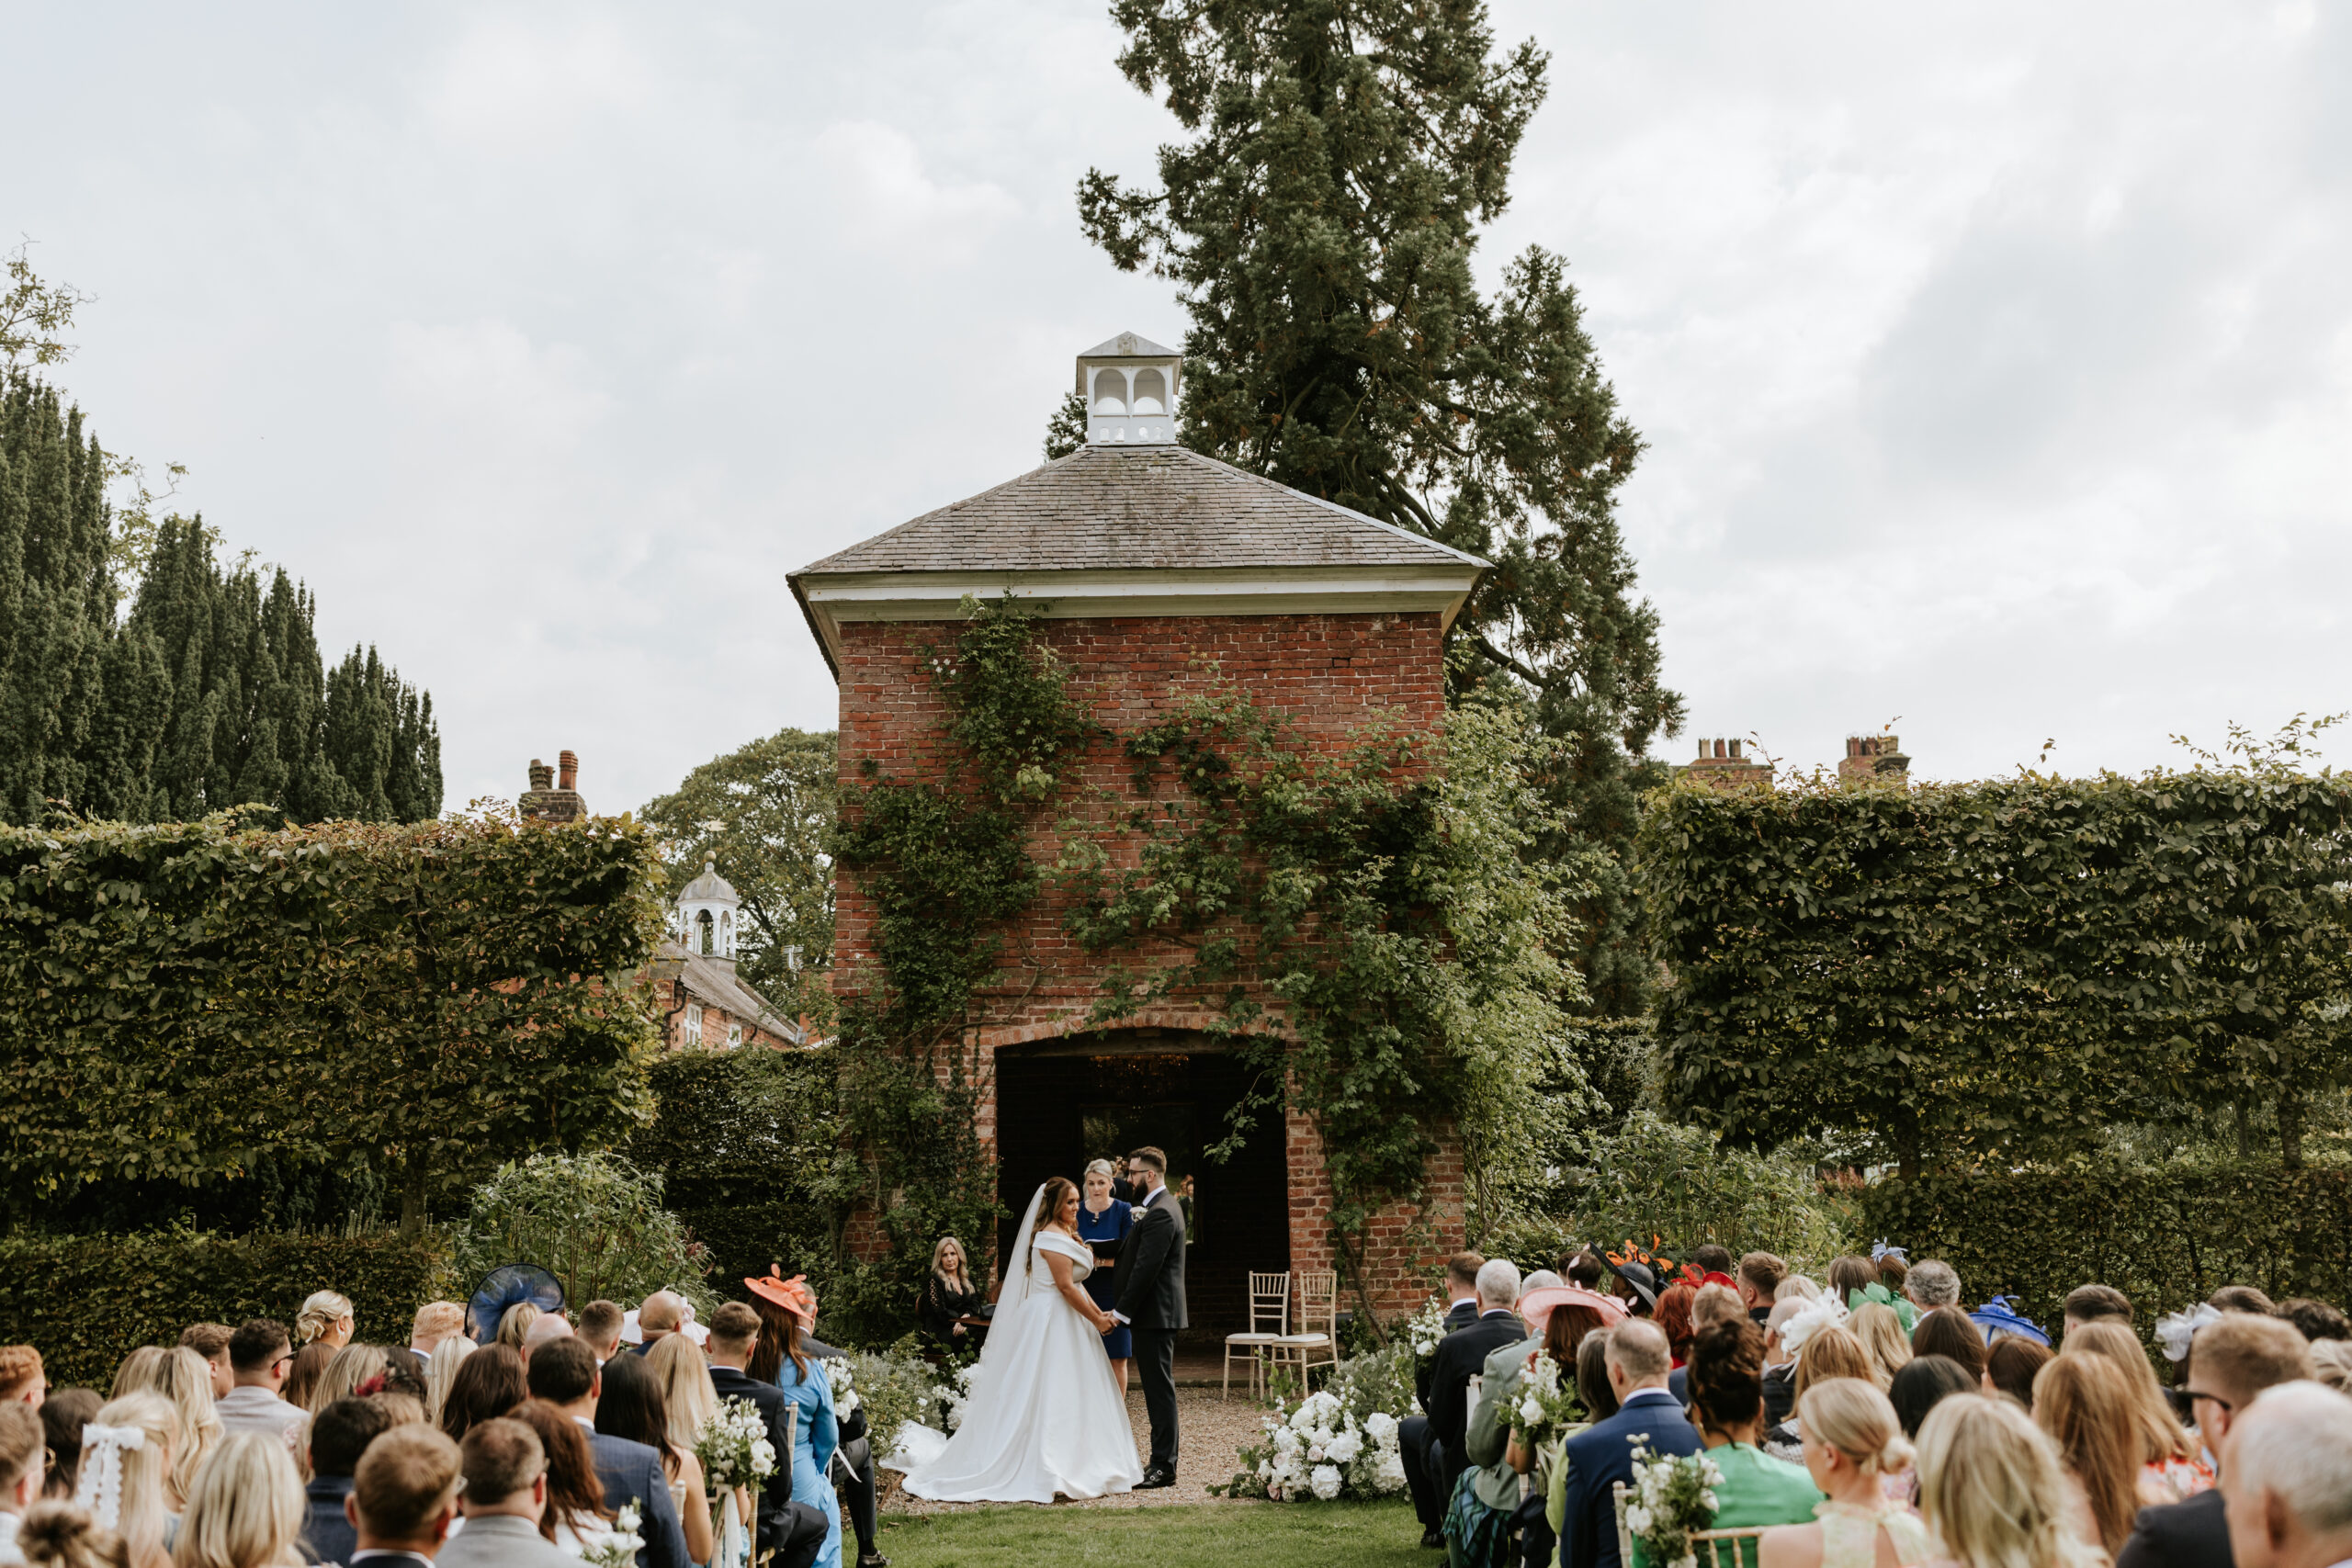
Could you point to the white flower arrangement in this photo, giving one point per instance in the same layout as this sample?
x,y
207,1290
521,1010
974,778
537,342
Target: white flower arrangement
x,y
1547,1403
616,1547
733,1446
1327,1445
955,1396
1424,1329
1673,1498
842,1377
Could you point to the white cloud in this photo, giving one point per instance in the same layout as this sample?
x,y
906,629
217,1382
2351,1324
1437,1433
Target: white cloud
x,y
888,206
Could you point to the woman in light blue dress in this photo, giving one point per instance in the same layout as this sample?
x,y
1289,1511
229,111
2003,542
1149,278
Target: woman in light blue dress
x,y
779,1357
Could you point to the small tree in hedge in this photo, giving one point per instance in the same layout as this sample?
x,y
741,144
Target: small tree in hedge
x,y
594,1221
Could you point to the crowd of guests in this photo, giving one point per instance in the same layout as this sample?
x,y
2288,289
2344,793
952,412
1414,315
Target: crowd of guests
x,y
1871,1420
254,1447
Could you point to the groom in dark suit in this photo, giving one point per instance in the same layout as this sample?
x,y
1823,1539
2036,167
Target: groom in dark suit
x,y
1151,1300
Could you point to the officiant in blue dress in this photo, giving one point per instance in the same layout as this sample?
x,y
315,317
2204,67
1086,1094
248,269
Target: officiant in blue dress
x,y
1103,1223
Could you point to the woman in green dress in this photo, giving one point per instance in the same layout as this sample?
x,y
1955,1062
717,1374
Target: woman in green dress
x,y
1726,1384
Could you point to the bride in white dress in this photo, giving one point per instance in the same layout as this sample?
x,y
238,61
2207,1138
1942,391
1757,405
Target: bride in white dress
x,y
1046,1415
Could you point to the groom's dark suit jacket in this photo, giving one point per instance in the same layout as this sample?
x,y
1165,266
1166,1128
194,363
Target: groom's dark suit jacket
x,y
1151,1266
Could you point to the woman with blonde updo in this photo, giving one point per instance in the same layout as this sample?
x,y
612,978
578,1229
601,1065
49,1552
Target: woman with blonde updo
x,y
245,1509
326,1317
1853,1444
127,1474
1992,1491
185,1378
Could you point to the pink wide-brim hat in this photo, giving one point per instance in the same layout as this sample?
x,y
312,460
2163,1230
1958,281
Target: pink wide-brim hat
x,y
1535,1306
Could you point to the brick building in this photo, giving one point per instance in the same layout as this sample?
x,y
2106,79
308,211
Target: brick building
x,y
702,1002
1160,574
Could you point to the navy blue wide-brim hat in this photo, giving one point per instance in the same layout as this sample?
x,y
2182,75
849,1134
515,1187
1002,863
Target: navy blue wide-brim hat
x,y
1999,1315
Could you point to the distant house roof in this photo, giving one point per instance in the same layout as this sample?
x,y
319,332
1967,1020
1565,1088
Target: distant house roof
x,y
717,986
1137,530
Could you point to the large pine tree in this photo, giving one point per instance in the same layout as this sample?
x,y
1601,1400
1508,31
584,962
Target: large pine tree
x,y
210,692
1319,221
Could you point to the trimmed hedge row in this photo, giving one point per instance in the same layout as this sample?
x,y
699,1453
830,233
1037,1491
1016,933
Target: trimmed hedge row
x,y
2165,1236
86,1301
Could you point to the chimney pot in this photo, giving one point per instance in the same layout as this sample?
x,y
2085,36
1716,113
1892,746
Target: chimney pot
x,y
569,776
542,776
1734,751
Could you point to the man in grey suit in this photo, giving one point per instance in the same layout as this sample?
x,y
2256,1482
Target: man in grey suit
x,y
564,1373
1151,1300
506,1491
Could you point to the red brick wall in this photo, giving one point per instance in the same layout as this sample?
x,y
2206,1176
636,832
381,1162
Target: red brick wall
x,y
1333,677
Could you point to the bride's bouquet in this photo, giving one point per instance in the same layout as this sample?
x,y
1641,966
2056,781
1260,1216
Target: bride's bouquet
x,y
733,1446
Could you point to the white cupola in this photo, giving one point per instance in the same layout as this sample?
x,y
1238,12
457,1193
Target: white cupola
x,y
1130,386
708,912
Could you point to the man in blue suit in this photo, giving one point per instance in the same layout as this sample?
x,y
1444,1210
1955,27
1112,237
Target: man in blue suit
x,y
564,1373
1602,1454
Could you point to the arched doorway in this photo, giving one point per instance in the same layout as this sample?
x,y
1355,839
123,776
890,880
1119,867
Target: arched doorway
x,y
1063,1102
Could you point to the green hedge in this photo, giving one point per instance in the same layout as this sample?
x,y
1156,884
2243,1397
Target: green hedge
x,y
2166,1237
86,1301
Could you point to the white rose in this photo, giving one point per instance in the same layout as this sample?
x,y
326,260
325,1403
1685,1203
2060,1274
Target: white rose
x,y
1381,1425
1637,1519
1286,1441
1326,1482
1346,1446
1530,1410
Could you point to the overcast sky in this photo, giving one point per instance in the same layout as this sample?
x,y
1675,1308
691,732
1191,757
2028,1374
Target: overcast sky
x,y
1995,361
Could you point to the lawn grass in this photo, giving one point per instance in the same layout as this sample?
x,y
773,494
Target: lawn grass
x,y
1201,1535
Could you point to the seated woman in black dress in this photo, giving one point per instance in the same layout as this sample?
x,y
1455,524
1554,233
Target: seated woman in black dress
x,y
949,1295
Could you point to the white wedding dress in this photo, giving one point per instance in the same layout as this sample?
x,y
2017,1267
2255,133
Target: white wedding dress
x,y
1045,1414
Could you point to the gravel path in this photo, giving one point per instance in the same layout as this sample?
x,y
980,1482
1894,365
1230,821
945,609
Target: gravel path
x,y
1213,1431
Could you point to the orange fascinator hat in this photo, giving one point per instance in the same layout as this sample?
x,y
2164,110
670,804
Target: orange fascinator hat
x,y
793,1295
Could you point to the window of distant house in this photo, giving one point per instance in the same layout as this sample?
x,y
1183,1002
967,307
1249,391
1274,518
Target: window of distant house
x,y
734,1035
694,1026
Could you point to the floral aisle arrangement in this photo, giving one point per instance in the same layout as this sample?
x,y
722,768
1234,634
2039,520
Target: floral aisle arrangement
x,y
1423,1330
618,1546
1673,1499
733,1446
956,1396
1337,1442
895,1388
1547,1404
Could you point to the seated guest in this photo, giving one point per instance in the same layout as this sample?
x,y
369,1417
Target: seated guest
x,y
2011,1366
1851,1275
633,1405
22,1381
305,1373
2243,1298
2237,1357
59,1535
2084,1406
2169,1458
2315,1321
1587,1268
546,1329
2288,1480
1931,1284
1760,1274
1852,1445
127,1474
1779,1361
22,1444
1461,1356
1599,1401
2331,1364
1925,1383
259,1358
1414,1444
1798,1286
2095,1304
794,1532
1992,1492
339,1437
505,1496
1673,1316
1880,1332
1893,1270
948,1295
1727,1384
434,1321
1601,1456
244,1507
1714,1304
185,1379
600,1330
1830,1351
62,1415
1711,1259
663,1312
576,1513
326,1318
404,1497
211,1340
563,1373
488,1383
1477,1519
1948,1331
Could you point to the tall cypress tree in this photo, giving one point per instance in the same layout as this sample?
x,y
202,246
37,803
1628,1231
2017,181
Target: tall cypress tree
x,y
1319,221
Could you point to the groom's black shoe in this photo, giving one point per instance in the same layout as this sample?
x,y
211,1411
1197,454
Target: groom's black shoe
x,y
1155,1478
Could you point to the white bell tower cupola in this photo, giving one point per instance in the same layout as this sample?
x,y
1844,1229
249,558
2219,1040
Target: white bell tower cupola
x,y
1130,386
708,912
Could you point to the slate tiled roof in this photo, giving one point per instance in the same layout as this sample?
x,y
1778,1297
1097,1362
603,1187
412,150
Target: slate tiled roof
x,y
720,988
1112,508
